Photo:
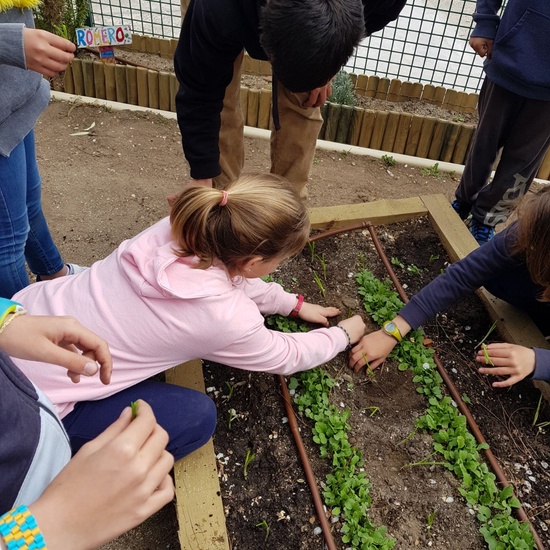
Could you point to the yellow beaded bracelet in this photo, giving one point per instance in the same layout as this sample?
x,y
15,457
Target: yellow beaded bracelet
x,y
20,531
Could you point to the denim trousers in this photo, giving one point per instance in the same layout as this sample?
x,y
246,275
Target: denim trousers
x,y
189,416
24,233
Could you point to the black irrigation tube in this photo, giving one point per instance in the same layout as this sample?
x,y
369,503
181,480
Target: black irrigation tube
x,y
455,394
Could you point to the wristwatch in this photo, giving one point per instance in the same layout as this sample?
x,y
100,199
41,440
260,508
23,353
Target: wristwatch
x,y
390,328
7,307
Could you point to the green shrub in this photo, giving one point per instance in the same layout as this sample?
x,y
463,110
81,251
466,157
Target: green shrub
x,y
62,17
343,91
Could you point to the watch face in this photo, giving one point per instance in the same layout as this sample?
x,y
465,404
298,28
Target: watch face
x,y
390,326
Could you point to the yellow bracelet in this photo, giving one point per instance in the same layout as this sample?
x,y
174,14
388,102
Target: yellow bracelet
x,y
10,318
20,531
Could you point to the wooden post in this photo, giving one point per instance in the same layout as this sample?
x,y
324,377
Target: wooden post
x,y
416,92
402,133
174,88
153,89
372,86
142,86
99,79
355,128
369,116
361,86
449,141
393,92
343,130
110,81
439,95
405,92
471,104
428,93
333,115
165,49
462,101
463,144
379,129
121,84
131,85
450,101
88,74
425,137
78,76
414,135
68,82
382,88
264,110
253,105
164,91
436,144
390,132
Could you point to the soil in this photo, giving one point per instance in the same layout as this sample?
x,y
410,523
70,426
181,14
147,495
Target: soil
x,y
112,182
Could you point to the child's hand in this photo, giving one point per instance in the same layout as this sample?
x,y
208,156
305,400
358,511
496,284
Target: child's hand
x,y
46,53
510,360
355,326
373,348
314,313
482,46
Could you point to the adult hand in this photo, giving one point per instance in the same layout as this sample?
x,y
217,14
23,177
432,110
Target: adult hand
x,y
111,485
372,349
174,196
318,96
482,46
510,360
46,53
58,340
355,327
314,313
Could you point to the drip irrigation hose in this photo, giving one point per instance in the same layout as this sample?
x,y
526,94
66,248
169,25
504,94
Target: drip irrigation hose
x,y
310,476
455,394
122,60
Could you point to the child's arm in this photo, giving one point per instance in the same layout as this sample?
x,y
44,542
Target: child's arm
x,y
515,362
376,346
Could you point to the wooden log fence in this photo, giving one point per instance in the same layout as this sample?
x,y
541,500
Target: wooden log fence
x,y
390,131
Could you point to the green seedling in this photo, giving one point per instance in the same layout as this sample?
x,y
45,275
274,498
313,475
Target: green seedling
x,y
344,153
315,160
465,398
361,261
433,171
434,257
430,518
488,360
373,410
397,262
323,263
232,416
458,119
250,456
265,525
493,326
231,387
413,269
134,406
319,283
311,245
388,160
537,411
366,362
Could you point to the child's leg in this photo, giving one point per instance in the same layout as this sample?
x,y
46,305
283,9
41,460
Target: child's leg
x,y
187,415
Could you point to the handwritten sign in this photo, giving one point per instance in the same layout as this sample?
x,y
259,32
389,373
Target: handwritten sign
x,y
103,36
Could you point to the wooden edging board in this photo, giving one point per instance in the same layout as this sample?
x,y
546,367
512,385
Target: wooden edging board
x,y
199,505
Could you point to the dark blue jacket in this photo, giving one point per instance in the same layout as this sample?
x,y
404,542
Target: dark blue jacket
x,y
493,266
521,51
33,444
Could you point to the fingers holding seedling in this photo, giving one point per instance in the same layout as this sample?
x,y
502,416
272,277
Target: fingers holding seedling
x,y
502,359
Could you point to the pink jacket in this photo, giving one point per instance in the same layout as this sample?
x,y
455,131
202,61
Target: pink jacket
x,y
156,311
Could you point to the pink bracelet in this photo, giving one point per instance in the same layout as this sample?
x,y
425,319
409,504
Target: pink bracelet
x,y
298,306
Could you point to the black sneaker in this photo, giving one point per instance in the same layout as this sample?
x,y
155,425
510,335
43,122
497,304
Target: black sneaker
x,y
482,233
461,209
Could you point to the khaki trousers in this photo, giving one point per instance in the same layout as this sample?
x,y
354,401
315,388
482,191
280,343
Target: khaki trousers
x,y
292,146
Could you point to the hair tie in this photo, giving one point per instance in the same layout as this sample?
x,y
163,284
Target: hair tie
x,y
223,202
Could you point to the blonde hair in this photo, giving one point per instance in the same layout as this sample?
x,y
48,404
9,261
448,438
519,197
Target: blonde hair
x,y
263,216
533,237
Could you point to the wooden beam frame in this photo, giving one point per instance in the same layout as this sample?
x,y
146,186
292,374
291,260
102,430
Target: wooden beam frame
x,y
199,505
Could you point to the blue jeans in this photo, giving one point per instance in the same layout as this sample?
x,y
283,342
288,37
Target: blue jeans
x,y
188,416
24,233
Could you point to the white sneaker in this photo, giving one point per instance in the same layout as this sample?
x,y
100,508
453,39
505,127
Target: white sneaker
x,y
73,269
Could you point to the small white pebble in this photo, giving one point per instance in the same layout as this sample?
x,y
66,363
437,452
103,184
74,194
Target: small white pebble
x,y
317,531
448,500
284,420
210,389
544,464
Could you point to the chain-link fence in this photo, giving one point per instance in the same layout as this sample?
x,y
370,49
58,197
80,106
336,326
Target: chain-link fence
x,y
427,44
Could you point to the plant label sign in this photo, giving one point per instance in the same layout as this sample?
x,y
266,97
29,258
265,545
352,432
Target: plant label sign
x,y
104,38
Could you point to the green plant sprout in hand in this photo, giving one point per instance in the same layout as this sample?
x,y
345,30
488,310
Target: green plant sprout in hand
x,y
134,405
488,360
250,456
265,525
